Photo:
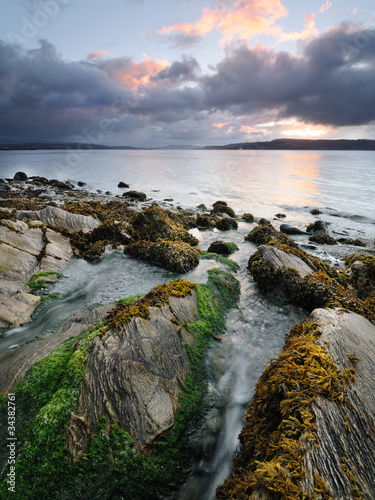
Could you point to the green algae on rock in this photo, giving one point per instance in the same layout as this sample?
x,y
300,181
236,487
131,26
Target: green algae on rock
x,y
220,259
79,442
173,255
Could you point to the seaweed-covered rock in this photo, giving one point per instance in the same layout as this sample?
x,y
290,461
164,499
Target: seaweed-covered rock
x,y
362,274
321,288
156,223
317,227
173,255
222,248
248,217
20,176
267,234
226,224
204,222
221,207
135,195
323,239
305,427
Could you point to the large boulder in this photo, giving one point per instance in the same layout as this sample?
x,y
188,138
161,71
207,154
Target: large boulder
x,y
173,255
156,223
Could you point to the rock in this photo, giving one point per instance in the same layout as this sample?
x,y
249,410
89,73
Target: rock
x,y
263,222
202,206
20,176
265,234
56,217
315,211
310,426
280,216
123,185
35,179
362,274
226,224
4,187
323,239
220,208
173,255
247,217
14,366
136,195
25,251
278,259
204,222
317,227
81,184
61,185
16,310
285,228
156,223
222,248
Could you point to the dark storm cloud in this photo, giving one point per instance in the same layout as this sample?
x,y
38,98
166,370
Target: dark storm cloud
x,y
44,97
185,70
331,83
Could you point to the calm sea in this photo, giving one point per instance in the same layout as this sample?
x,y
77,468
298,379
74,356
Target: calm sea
x,y
340,183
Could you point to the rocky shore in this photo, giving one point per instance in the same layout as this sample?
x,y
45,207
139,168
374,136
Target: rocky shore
x,y
106,402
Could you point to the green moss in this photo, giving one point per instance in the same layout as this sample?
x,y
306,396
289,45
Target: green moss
x,y
222,260
111,469
50,297
36,283
280,419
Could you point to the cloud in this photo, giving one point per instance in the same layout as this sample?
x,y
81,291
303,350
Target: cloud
x,y
326,6
97,54
251,93
242,20
308,32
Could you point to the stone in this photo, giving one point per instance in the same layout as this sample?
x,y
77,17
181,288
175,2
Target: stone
x,y
56,217
136,195
226,224
317,227
20,176
123,185
17,310
14,365
145,362
278,259
81,184
285,228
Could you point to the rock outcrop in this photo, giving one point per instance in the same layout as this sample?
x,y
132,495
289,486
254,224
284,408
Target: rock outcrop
x,y
14,365
26,249
310,430
56,217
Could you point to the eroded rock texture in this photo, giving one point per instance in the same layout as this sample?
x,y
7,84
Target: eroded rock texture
x,y
133,376
26,249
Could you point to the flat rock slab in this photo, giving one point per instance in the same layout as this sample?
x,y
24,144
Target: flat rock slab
x,y
56,217
277,258
14,365
346,429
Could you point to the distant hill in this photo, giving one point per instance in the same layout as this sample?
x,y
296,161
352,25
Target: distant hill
x,y
304,144
69,145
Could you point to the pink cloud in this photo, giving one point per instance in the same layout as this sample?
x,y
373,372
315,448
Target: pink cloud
x,y
308,32
325,6
97,54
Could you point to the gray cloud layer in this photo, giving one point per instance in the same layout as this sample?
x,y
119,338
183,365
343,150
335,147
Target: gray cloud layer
x,y
45,98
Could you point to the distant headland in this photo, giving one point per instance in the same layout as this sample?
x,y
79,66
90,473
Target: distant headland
x,y
276,144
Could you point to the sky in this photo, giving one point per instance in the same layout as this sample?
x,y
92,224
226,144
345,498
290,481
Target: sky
x,y
150,73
